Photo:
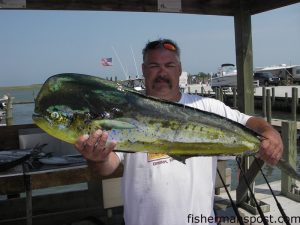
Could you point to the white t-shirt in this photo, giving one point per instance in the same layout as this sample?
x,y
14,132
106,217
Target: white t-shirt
x,y
158,190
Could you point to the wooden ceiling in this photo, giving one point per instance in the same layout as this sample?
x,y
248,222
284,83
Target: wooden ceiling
x,y
208,7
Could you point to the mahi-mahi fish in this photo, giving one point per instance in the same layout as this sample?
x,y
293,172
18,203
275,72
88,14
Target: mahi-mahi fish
x,y
70,105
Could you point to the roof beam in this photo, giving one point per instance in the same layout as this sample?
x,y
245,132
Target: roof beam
x,y
211,7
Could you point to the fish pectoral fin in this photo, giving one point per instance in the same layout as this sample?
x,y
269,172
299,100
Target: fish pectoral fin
x,y
180,158
113,124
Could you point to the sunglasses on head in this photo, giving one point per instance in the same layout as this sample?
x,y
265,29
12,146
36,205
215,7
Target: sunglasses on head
x,y
165,44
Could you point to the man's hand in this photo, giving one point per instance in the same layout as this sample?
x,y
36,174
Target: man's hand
x,y
271,147
94,147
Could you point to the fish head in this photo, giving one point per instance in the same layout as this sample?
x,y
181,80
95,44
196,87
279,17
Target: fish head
x,y
62,122
69,105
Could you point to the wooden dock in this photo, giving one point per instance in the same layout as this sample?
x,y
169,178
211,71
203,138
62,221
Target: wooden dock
x,y
278,123
280,91
262,193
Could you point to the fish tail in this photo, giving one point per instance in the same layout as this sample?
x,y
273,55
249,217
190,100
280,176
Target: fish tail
x,y
285,167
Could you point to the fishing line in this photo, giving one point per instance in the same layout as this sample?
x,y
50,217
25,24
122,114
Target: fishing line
x,y
284,216
237,213
238,158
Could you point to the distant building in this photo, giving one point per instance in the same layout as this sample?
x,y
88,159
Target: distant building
x,y
183,80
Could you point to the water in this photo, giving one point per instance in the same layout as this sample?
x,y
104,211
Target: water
x,y
21,112
272,174
22,115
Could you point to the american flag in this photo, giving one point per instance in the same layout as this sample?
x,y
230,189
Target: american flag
x,y
106,61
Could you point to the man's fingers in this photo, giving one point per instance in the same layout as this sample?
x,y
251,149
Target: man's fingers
x,y
80,142
110,146
102,140
93,140
270,152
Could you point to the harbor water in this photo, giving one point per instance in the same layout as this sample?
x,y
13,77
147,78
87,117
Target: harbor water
x,y
22,115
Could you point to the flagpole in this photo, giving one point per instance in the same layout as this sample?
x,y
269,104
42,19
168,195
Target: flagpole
x,y
126,76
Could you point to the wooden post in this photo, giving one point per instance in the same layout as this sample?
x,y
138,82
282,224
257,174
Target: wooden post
x,y
9,112
273,95
234,97
269,107
294,103
217,93
202,90
28,187
286,100
264,102
289,138
244,59
221,95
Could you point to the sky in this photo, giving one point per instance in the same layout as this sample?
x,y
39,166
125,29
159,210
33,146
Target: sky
x,y
37,44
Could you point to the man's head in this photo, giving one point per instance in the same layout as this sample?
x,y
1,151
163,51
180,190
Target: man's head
x,y
162,69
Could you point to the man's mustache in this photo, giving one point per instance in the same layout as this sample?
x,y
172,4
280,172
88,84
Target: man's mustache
x,y
162,79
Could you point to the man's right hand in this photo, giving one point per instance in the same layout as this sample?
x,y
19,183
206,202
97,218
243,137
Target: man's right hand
x,y
94,147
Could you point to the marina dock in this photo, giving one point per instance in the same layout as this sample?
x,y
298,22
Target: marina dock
x,y
280,91
262,193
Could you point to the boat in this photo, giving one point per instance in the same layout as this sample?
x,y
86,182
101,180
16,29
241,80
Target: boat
x,y
137,84
287,74
226,77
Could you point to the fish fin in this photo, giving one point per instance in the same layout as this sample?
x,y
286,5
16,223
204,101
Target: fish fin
x,y
285,167
127,120
113,124
181,158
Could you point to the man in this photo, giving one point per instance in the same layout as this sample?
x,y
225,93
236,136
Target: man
x,y
158,190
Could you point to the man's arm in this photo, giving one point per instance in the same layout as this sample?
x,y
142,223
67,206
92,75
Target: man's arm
x,y
98,153
271,147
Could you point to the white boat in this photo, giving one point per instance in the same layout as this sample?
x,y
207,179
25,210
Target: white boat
x,y
225,77
283,71
137,84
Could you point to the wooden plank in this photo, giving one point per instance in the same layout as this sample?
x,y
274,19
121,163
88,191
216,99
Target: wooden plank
x,y
15,184
9,138
44,206
216,7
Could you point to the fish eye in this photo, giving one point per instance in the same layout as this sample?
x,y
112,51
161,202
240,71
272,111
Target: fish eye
x,y
54,115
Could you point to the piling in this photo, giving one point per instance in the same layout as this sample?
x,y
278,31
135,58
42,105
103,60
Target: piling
x,y
234,98
294,103
289,138
264,102
286,100
217,93
9,111
273,95
269,107
221,96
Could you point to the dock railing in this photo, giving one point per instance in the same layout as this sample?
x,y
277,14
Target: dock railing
x,y
288,131
289,137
